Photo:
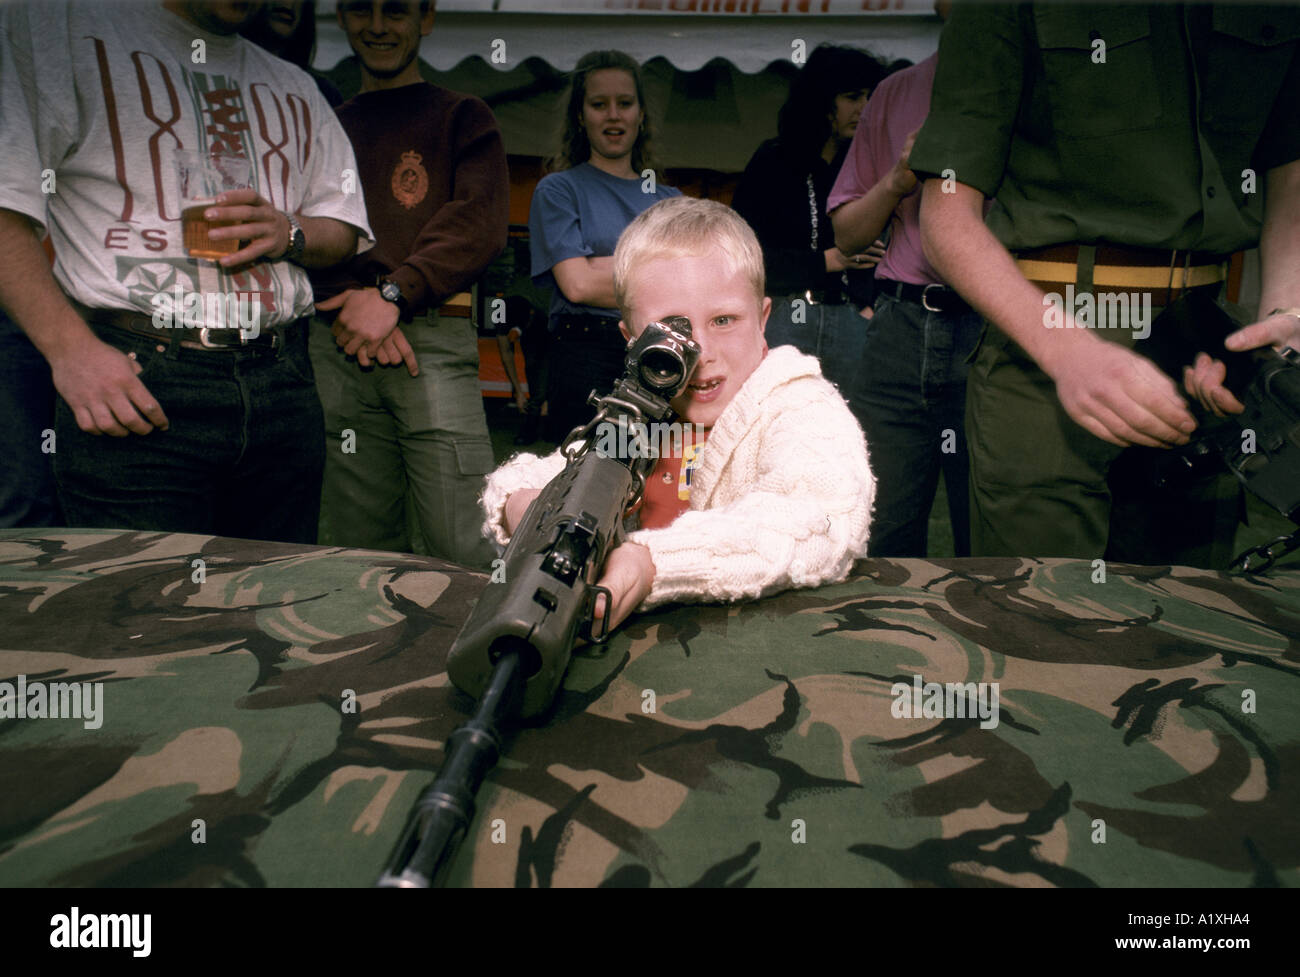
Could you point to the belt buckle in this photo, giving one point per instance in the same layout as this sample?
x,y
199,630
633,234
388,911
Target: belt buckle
x,y
925,299
206,342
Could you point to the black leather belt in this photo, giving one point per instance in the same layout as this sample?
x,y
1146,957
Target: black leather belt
x,y
933,298
189,337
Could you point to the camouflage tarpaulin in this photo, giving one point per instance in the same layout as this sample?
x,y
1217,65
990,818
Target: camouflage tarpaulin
x,y
271,719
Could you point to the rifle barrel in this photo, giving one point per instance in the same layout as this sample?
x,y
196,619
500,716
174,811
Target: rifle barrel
x,y
441,817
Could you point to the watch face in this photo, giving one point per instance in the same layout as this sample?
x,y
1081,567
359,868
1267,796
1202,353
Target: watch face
x,y
390,291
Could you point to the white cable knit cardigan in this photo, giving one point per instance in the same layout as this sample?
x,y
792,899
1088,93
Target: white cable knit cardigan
x,y
782,497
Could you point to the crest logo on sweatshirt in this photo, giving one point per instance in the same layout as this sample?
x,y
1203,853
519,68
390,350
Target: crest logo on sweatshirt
x,y
410,180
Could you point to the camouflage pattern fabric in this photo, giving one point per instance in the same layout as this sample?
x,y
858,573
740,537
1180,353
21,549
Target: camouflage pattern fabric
x,y
1148,726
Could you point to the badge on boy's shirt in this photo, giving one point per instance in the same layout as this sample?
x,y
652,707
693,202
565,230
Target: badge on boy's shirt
x,y
668,488
690,462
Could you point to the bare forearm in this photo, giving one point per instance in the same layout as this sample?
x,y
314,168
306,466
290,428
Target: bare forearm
x,y
968,257
329,241
507,351
1279,243
587,281
29,293
859,222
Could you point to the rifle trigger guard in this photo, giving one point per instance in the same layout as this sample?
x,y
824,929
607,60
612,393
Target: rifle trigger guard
x,y
589,615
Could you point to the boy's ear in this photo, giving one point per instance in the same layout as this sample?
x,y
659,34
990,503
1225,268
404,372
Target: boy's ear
x,y
627,333
762,319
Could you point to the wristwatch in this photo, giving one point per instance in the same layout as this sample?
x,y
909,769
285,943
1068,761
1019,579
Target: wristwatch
x,y
390,291
297,240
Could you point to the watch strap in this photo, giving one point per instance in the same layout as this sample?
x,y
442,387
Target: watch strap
x,y
297,240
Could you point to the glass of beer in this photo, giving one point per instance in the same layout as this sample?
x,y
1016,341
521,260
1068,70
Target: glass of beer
x,y
202,176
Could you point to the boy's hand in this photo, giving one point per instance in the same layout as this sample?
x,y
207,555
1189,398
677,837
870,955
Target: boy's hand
x,y
629,573
517,505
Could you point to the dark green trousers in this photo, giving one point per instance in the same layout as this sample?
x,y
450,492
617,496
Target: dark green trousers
x,y
1043,486
403,450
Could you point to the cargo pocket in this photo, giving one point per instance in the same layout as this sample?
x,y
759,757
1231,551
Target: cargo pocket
x,y
474,456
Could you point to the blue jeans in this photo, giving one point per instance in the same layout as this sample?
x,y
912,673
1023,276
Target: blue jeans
x,y
27,495
910,397
242,457
832,333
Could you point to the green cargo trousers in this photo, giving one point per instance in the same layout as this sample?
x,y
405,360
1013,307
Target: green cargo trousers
x,y
396,442
1043,486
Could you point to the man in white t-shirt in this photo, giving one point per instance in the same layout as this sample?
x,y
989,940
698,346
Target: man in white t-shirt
x,y
197,368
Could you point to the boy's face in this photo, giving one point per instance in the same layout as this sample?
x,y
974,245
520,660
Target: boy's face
x,y
727,320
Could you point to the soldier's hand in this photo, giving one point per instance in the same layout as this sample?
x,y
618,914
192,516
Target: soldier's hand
x,y
629,573
99,383
1204,379
1119,396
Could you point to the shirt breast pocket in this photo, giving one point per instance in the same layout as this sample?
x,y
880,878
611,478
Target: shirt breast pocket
x,y
1098,68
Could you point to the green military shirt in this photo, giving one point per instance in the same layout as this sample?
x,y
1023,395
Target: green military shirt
x,y
1126,124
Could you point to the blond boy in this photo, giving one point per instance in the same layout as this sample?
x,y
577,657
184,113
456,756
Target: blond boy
x,y
780,493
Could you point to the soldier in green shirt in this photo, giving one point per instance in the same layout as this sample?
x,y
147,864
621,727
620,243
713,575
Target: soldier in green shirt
x,y
1130,150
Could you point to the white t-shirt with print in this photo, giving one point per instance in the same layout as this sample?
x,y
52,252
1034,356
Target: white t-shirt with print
x,y
94,100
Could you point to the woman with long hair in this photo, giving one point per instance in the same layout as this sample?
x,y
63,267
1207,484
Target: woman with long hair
x,y
602,177
816,289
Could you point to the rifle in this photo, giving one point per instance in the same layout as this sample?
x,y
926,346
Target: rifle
x,y
515,647
1261,445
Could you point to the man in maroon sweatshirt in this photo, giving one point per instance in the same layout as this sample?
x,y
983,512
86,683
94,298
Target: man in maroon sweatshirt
x,y
433,169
